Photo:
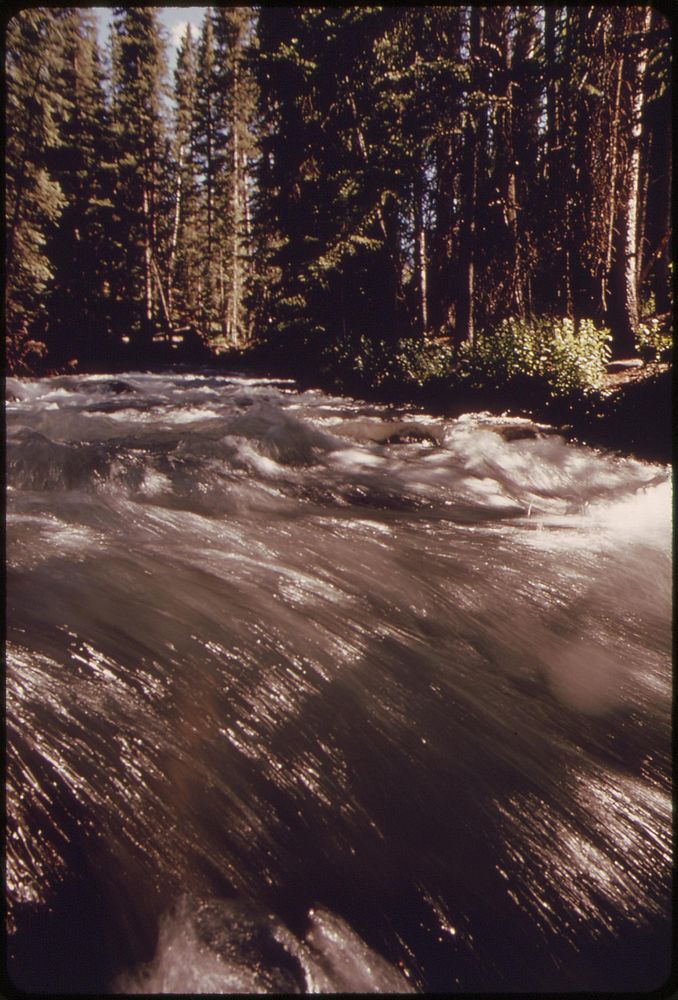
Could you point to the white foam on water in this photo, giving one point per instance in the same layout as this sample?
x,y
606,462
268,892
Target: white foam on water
x,y
235,956
37,538
647,512
337,960
355,458
183,965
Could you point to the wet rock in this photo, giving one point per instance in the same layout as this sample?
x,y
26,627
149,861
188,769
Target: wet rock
x,y
118,386
391,432
517,433
623,365
413,433
523,432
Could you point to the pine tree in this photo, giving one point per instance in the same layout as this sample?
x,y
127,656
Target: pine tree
x,y
34,200
624,304
184,257
655,278
237,92
330,199
138,64
79,244
210,144
465,327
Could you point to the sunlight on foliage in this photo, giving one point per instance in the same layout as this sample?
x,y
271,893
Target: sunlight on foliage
x,y
408,362
653,339
566,356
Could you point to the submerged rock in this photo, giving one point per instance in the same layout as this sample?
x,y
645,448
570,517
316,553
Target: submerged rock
x,y
513,432
391,432
118,386
523,432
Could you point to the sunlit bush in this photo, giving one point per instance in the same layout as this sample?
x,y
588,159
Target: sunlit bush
x,y
567,356
420,361
653,339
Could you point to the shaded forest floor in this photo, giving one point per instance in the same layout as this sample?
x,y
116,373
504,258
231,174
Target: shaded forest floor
x,y
617,381
634,413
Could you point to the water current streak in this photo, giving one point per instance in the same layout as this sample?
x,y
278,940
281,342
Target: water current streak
x,y
305,695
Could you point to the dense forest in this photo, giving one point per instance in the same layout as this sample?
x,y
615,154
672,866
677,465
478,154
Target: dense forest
x,y
330,183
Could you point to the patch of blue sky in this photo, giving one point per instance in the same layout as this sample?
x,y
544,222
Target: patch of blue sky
x,y
174,20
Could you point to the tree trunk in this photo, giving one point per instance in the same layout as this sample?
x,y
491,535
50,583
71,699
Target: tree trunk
x,y
175,234
465,311
148,276
507,180
161,295
552,117
420,261
624,306
614,164
235,221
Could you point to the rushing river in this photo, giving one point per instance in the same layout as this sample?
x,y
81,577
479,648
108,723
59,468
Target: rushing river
x,y
304,695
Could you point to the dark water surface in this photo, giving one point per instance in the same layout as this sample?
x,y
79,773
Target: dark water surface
x,y
299,699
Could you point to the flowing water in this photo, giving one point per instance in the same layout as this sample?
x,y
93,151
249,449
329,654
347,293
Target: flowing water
x,y
303,696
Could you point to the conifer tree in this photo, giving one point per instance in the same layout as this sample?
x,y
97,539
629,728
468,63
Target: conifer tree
x,y
625,298
138,86
655,256
184,257
237,96
34,200
330,197
79,244
210,153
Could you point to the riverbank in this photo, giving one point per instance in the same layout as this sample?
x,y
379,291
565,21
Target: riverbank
x,y
630,414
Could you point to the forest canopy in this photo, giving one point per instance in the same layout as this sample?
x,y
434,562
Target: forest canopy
x,y
347,180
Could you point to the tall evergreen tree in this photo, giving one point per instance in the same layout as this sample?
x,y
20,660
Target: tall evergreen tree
x,y
210,143
655,258
138,87
465,326
184,257
331,193
624,303
78,302
34,200
234,27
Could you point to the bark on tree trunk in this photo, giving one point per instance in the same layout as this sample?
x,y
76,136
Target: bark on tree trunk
x,y
465,312
465,318
163,300
624,311
614,164
420,261
235,222
552,118
175,235
148,277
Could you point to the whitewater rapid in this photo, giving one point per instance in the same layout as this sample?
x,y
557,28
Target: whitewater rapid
x,y
305,694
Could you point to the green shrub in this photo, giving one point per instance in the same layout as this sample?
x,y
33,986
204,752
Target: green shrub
x,y
568,358
653,339
379,364
420,361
